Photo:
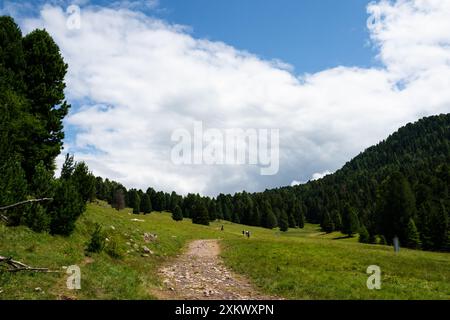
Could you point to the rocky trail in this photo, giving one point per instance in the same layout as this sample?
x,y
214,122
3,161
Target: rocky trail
x,y
199,274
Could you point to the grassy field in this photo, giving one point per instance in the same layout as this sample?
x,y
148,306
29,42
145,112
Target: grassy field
x,y
299,264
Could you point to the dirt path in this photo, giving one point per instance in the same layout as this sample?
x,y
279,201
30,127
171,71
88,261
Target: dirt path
x,y
199,274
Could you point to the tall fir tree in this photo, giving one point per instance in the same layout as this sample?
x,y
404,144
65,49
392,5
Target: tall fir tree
x,y
283,223
146,205
327,224
200,213
350,222
412,235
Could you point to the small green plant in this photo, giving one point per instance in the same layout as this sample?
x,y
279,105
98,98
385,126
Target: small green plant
x,y
112,248
97,242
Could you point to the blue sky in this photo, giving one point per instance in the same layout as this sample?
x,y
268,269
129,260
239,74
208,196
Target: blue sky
x,y
311,35
350,86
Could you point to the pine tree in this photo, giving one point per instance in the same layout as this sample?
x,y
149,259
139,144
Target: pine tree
x,y
44,74
200,213
255,219
327,224
440,226
66,207
137,205
271,220
146,205
283,222
292,222
13,188
68,167
118,201
350,222
412,235
336,218
364,236
84,181
397,205
177,215
212,211
301,219
134,201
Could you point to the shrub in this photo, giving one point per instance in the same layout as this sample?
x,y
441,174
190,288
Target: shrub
x,y
97,242
112,247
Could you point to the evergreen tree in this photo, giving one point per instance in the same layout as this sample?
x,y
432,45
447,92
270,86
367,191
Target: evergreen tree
x,y
292,222
327,224
118,200
336,218
283,222
137,205
68,167
65,208
256,217
212,211
440,226
200,213
412,235
84,181
364,236
397,207
271,220
146,205
177,215
350,222
44,75
13,188
134,201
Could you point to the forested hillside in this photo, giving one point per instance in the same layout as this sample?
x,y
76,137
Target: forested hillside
x,y
396,188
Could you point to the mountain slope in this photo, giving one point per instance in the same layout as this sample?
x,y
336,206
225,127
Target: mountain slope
x,y
420,152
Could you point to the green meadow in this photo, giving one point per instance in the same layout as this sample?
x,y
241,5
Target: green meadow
x,y
299,264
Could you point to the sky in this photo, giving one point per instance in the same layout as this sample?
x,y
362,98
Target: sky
x,y
333,77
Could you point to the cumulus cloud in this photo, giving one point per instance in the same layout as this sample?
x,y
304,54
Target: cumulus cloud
x,y
135,79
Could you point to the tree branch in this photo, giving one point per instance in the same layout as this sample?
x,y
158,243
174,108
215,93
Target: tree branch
x,y
16,266
22,203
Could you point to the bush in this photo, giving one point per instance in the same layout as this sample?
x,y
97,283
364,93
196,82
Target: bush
x,y
112,247
97,242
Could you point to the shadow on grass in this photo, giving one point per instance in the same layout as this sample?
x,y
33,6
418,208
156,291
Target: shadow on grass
x,y
343,237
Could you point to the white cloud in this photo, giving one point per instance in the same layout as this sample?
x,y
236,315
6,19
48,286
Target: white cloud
x,y
140,78
320,175
315,176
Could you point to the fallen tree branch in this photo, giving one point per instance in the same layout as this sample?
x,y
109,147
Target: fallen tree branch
x,y
16,266
3,217
22,203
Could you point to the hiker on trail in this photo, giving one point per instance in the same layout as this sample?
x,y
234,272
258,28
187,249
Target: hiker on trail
x,y
247,233
221,228
243,232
